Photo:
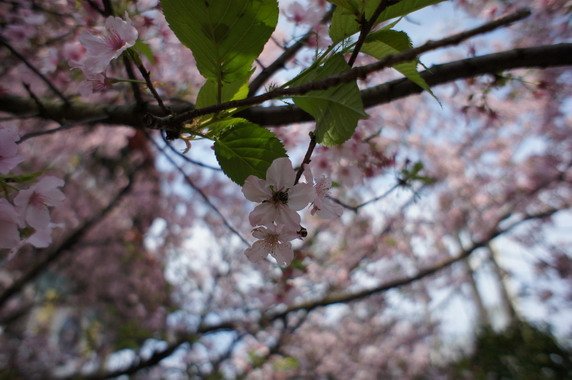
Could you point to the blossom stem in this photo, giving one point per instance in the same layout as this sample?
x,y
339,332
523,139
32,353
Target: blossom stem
x,y
35,71
307,157
147,77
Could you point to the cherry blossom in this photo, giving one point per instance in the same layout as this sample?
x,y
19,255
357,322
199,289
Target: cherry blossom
x,y
9,156
323,205
94,83
102,49
274,240
9,235
279,197
299,14
32,205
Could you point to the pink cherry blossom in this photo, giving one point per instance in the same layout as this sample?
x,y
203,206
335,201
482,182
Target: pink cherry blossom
x,y
299,14
32,205
101,49
9,235
9,156
94,83
274,240
279,197
323,205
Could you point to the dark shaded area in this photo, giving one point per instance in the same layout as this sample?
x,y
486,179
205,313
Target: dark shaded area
x,y
521,351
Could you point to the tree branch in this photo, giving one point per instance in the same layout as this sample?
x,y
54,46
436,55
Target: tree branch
x,y
279,62
356,296
33,68
557,55
534,57
366,26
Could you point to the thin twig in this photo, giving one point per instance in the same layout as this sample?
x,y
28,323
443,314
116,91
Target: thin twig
x,y
39,104
279,62
134,85
356,208
366,26
146,76
29,65
31,135
185,157
198,190
307,156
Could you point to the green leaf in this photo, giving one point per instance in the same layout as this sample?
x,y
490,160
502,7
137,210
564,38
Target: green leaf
x,y
402,8
337,109
350,5
387,42
144,49
345,24
286,364
224,36
217,128
208,94
246,149
20,178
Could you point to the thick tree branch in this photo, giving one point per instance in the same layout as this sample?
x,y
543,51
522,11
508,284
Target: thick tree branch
x,y
82,113
534,57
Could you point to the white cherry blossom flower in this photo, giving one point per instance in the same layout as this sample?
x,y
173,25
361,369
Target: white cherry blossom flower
x,y
279,198
300,14
32,205
323,205
101,49
94,83
273,240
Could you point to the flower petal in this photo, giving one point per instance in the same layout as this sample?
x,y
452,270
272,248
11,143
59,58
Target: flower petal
x,y
300,195
254,189
263,214
260,232
280,174
287,217
48,187
283,253
38,216
257,252
123,28
41,238
328,209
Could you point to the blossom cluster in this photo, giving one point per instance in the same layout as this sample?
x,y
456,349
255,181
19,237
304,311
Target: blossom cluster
x,y
100,50
275,219
24,212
